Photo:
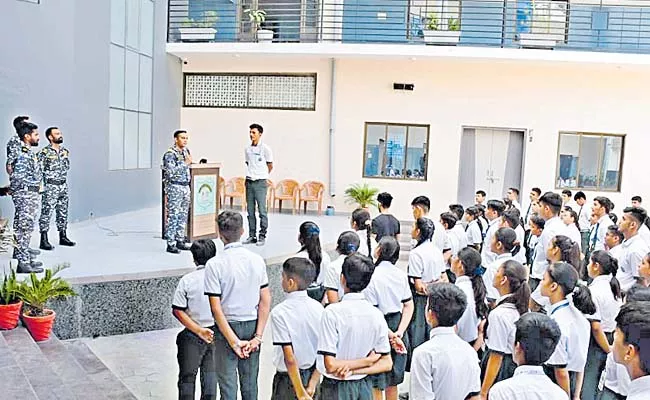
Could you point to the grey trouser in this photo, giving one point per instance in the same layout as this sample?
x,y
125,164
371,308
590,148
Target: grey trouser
x,y
228,365
256,195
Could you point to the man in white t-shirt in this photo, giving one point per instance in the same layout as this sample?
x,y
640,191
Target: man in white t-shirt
x,y
259,164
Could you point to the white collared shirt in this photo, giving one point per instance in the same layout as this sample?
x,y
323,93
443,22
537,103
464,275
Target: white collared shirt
x,y
584,218
333,276
615,376
236,275
528,383
573,233
388,289
616,252
633,251
296,322
350,330
445,367
426,262
325,261
521,255
468,323
491,272
256,158
597,235
552,228
189,297
440,238
573,346
639,389
501,327
457,238
363,242
474,234
515,204
486,253
644,232
607,306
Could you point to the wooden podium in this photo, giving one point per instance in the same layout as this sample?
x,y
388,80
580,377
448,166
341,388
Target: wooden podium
x,y
204,202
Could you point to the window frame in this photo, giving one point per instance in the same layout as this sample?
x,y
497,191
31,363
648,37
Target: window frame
x,y
398,124
598,187
248,75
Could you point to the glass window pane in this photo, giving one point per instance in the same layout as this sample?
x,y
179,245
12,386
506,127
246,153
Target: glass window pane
x,y
144,140
589,157
611,162
416,153
118,21
375,150
131,140
146,27
395,152
568,157
132,81
133,23
116,77
146,81
116,139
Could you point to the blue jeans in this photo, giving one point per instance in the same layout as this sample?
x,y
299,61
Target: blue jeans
x,y
256,195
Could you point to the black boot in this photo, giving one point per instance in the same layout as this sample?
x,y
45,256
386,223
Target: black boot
x,y
27,268
182,245
45,243
172,249
63,239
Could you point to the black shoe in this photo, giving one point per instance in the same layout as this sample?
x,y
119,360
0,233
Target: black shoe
x,y
33,252
250,240
36,263
261,241
64,241
45,243
28,268
172,249
182,245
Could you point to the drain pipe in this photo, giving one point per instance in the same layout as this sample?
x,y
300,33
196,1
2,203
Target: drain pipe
x,y
332,123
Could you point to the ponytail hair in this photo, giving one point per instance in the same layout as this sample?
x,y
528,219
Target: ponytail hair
x,y
348,243
361,219
566,276
518,283
569,252
471,260
309,236
573,215
508,238
388,250
475,213
426,228
608,266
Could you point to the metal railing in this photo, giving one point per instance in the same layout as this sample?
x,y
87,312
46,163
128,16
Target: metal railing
x,y
592,25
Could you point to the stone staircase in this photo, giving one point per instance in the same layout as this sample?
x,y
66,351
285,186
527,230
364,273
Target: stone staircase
x,y
61,370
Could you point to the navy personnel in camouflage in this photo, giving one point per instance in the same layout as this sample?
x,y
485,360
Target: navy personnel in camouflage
x,y
55,162
176,182
14,144
25,181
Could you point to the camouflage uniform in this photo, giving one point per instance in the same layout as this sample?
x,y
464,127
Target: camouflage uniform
x,y
55,165
13,149
25,185
177,191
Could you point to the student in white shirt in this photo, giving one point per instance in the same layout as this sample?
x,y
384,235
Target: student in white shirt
x,y
195,343
389,291
347,243
584,214
633,248
631,347
474,228
512,219
567,363
421,206
295,324
613,240
514,294
504,243
567,197
484,221
637,201
469,277
259,164
495,209
570,219
445,367
601,208
353,339
362,224
536,337
536,224
455,232
606,294
550,205
240,299
310,247
425,266
513,196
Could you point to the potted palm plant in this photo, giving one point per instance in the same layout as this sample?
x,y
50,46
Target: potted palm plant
x,y
257,18
361,194
200,30
10,304
436,33
35,293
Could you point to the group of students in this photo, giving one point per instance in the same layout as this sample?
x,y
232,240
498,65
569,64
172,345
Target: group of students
x,y
459,319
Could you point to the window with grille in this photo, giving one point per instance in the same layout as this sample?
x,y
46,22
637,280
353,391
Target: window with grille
x,y
261,91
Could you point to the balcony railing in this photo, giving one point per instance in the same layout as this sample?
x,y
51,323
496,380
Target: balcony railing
x,y
592,25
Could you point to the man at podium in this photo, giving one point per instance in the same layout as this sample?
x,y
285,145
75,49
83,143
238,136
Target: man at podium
x,y
176,180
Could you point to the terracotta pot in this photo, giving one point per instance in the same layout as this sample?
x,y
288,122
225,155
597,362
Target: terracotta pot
x,y
40,327
9,315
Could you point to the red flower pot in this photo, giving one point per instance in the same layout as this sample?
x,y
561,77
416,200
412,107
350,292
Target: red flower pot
x,y
9,315
40,327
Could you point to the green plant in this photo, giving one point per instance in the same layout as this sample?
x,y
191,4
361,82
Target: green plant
x,y
433,23
453,24
37,292
257,17
9,289
208,20
363,195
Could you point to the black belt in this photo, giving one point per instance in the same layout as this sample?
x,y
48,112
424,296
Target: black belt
x,y
179,183
55,181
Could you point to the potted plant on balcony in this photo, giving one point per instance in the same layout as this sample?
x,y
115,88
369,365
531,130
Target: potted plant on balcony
x,y
257,18
35,293
435,33
201,30
10,304
361,194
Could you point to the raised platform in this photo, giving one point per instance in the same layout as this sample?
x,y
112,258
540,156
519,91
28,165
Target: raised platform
x,y
125,280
